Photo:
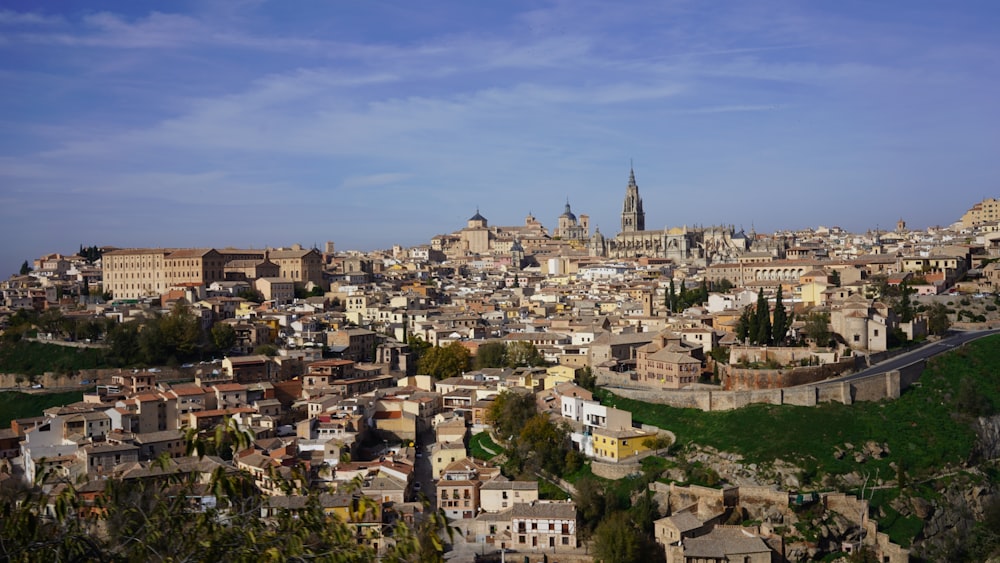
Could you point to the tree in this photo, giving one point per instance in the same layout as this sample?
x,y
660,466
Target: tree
x,y
509,413
251,294
906,311
223,336
671,297
541,445
491,354
591,505
586,379
817,328
25,268
779,327
937,319
745,328
763,320
523,353
418,346
617,540
269,350
724,286
444,362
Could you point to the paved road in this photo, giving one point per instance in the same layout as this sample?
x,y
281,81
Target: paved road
x,y
924,352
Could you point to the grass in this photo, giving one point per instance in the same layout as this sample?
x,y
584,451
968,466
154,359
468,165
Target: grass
x,y
22,405
548,491
901,529
476,444
36,358
925,428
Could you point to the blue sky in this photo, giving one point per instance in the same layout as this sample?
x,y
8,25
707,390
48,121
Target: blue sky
x,y
373,123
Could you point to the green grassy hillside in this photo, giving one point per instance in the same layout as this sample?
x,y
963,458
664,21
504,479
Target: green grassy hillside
x,y
927,427
21,405
36,358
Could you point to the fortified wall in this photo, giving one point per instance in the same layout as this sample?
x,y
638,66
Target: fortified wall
x,y
876,387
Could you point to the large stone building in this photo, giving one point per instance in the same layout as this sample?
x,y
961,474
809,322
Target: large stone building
x,y
683,245
149,272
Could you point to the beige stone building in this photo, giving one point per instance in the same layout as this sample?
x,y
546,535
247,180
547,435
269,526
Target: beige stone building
x,y
983,212
148,272
279,290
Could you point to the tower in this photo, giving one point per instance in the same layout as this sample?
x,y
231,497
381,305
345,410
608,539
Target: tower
x,y
633,217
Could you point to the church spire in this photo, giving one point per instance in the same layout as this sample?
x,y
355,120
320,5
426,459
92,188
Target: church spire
x,y
633,217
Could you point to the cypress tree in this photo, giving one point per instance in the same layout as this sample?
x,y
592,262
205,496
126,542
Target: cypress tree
x,y
779,326
748,325
763,320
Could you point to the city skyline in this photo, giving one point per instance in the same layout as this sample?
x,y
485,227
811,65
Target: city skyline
x,y
250,124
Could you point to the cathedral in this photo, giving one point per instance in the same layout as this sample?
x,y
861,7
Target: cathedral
x,y
698,246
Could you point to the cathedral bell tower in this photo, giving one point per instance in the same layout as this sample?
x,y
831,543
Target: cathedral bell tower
x,y
633,217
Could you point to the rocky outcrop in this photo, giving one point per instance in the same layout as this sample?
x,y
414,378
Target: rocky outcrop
x,y
988,430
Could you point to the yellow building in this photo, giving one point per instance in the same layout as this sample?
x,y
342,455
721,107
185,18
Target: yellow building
x,y
559,374
615,445
812,293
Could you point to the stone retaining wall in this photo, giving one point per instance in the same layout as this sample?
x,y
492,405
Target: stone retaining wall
x,y
872,388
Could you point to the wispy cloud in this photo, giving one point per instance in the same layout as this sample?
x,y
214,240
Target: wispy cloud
x,y
373,180
12,18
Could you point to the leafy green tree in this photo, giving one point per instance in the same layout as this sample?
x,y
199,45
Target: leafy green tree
x,y
123,344
724,286
817,327
223,336
779,327
251,294
509,412
591,505
25,268
617,540
269,350
418,346
585,378
522,353
491,354
444,362
542,445
937,319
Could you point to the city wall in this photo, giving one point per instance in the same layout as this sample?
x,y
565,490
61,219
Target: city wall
x,y
735,378
876,387
85,378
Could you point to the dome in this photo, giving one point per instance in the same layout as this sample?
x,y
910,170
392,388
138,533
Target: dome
x,y
568,214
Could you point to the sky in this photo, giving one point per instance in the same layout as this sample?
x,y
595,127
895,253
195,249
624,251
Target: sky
x,y
250,124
